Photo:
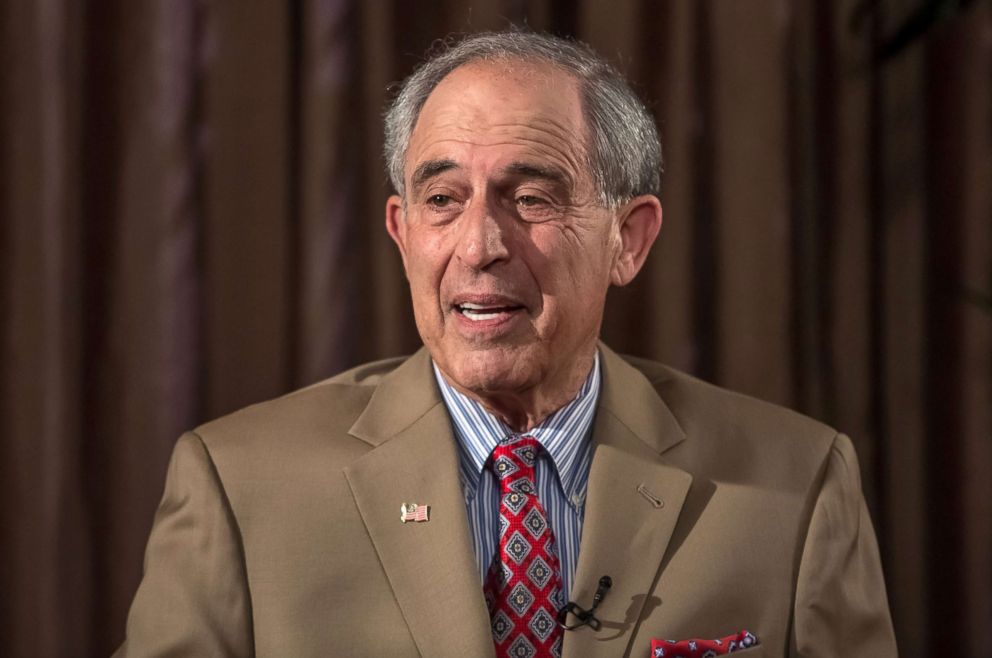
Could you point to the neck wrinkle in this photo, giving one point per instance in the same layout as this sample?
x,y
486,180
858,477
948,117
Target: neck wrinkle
x,y
522,412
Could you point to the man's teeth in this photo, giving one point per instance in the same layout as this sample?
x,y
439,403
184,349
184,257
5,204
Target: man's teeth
x,y
479,317
478,313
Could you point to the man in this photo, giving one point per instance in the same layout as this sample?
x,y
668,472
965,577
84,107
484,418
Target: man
x,y
451,503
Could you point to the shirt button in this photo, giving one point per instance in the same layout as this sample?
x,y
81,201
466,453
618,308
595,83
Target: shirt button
x,y
576,500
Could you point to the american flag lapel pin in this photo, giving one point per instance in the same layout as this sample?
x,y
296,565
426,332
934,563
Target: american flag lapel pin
x,y
414,512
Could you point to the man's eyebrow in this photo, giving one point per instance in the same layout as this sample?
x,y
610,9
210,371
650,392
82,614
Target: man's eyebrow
x,y
429,169
529,170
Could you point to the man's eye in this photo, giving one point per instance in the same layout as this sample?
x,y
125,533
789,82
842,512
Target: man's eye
x,y
529,201
439,200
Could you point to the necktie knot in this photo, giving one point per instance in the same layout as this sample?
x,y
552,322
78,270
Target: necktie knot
x,y
514,459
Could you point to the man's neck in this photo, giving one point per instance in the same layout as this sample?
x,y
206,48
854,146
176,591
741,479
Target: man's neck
x,y
524,410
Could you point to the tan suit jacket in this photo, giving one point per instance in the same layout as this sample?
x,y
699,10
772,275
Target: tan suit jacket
x,y
279,533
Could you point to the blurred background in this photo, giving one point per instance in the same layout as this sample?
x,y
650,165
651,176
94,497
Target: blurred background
x,y
191,210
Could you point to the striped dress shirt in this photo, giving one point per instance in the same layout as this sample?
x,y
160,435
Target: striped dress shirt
x,y
561,471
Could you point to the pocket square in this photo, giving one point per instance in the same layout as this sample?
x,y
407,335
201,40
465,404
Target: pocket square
x,y
703,648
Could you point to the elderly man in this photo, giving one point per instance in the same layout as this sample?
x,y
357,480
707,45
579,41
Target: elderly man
x,y
515,488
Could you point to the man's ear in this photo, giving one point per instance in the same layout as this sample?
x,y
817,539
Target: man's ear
x,y
396,224
639,222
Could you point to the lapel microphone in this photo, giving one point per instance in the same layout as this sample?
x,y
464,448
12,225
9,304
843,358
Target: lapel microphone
x,y
585,616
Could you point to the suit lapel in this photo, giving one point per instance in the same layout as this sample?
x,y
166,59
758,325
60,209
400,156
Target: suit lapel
x,y
430,566
633,503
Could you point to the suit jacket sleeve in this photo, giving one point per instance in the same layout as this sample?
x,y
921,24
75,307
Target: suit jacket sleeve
x,y
193,599
841,607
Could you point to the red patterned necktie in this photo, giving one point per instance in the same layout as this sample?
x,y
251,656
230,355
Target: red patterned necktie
x,y
523,586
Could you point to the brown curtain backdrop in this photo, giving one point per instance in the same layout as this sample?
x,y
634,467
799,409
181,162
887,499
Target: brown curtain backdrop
x,y
191,210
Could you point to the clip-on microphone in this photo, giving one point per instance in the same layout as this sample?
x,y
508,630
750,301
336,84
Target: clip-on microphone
x,y
585,616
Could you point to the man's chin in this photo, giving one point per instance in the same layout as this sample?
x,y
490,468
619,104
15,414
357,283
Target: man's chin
x,y
489,372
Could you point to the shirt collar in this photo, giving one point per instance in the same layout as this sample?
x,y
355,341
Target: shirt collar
x,y
565,435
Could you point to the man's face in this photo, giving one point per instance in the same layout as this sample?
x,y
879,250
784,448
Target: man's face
x,y
506,247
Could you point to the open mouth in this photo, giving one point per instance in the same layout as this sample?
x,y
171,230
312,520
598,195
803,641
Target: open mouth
x,y
482,312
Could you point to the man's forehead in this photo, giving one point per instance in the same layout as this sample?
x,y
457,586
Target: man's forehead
x,y
534,106
429,169
487,92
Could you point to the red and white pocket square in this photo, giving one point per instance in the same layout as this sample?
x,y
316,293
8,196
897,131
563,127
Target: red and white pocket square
x,y
703,648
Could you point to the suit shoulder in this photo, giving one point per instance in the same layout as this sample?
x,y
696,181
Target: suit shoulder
x,y
366,374
314,418
695,401
736,437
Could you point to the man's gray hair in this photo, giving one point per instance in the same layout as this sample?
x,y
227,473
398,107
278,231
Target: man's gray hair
x,y
624,150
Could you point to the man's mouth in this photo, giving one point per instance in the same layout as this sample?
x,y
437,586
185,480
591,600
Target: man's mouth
x,y
483,312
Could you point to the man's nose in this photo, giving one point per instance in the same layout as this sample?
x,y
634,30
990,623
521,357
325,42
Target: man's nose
x,y
481,240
